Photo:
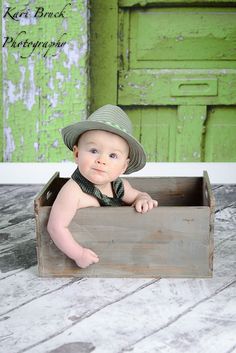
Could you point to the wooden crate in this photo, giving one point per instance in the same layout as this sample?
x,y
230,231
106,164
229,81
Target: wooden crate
x,y
173,240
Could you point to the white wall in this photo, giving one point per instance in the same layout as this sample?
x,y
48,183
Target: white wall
x,y
40,173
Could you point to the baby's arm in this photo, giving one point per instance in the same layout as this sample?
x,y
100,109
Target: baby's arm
x,y
140,200
62,212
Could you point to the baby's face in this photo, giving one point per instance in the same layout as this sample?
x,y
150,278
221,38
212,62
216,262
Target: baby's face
x,y
101,156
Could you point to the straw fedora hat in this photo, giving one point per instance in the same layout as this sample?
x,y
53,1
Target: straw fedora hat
x,y
113,119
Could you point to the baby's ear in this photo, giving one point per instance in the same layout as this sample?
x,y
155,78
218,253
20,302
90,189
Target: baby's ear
x,y
126,164
75,151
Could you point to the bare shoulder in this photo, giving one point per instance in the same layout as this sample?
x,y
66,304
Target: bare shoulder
x,y
69,193
71,185
65,205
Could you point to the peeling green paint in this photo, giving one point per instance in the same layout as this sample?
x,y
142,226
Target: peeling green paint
x,y
169,65
1,103
42,93
172,68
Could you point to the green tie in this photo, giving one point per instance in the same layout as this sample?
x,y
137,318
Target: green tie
x,y
89,188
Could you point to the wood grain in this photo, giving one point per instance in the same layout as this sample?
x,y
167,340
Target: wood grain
x,y
173,240
114,315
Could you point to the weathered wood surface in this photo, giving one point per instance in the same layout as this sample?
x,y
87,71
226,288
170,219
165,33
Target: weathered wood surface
x,y
112,315
167,242
170,241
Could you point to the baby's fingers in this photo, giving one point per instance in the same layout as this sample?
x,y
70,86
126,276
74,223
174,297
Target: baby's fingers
x,y
94,256
138,206
144,206
155,203
141,206
151,204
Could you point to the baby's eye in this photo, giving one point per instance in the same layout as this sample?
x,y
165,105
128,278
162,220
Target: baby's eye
x,y
93,150
113,155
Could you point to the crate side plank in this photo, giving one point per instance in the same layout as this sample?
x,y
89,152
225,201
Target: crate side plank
x,y
169,191
211,202
167,242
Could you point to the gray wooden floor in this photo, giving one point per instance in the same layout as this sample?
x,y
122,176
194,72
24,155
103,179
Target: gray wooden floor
x,y
112,315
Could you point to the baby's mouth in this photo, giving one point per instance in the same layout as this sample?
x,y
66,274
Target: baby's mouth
x,y
99,170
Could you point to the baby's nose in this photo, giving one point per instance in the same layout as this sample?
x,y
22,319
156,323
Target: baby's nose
x,y
101,160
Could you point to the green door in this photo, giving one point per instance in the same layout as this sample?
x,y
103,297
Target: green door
x,y
173,69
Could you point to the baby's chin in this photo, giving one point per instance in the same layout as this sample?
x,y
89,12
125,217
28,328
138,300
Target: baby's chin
x,y
98,177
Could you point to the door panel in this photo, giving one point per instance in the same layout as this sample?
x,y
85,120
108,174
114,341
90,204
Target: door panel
x,y
155,128
189,134
172,67
182,37
169,133
220,141
103,53
177,87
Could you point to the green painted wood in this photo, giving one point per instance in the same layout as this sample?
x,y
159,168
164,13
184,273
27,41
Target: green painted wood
x,y
43,93
220,139
182,37
135,116
155,127
190,128
191,87
173,64
142,3
103,53
157,87
1,103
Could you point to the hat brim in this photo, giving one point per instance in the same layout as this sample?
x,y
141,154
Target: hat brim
x,y
137,155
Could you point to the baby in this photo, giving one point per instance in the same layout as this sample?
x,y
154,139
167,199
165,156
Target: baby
x,y
103,148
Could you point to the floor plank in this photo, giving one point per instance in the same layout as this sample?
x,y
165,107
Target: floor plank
x,y
73,303
112,315
136,316
24,287
210,327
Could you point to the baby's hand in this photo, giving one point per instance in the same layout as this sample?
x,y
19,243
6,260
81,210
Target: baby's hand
x,y
87,257
144,203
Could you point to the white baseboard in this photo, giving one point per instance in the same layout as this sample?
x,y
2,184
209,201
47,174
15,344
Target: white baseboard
x,y
40,173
